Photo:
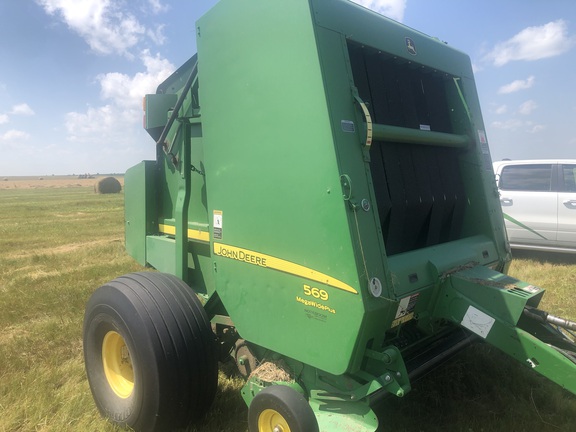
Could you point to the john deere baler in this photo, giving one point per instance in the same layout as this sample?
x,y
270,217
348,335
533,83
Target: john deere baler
x,y
322,210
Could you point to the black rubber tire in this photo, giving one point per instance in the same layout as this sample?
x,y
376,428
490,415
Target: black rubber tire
x,y
171,347
288,403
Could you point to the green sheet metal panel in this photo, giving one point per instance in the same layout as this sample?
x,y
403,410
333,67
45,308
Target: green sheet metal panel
x,y
140,208
367,27
271,171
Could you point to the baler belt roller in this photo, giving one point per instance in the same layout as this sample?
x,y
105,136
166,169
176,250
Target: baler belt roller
x,y
398,134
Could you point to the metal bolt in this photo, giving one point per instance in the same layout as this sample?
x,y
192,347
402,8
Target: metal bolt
x,y
365,205
387,378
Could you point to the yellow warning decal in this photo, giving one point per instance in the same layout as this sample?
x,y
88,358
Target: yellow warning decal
x,y
267,261
192,233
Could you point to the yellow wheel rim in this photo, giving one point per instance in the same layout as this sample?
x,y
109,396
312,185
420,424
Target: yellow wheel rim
x,y
117,364
272,421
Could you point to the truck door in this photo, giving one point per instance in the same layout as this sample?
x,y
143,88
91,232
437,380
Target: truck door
x,y
527,195
567,206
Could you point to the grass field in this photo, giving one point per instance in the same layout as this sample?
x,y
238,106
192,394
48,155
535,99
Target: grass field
x,y
58,244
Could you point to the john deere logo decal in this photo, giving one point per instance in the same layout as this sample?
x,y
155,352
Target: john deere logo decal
x,y
411,46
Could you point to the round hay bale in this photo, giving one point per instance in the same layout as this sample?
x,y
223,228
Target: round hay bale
x,y
107,185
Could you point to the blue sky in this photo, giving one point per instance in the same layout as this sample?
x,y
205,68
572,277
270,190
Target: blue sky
x,y
73,73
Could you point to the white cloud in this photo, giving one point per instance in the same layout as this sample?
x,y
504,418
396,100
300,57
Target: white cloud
x,y
533,43
103,24
536,128
391,8
512,124
22,109
14,135
123,108
95,121
157,34
127,91
157,6
527,107
517,85
502,109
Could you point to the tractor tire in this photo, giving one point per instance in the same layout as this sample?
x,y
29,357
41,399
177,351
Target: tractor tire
x,y
149,352
279,407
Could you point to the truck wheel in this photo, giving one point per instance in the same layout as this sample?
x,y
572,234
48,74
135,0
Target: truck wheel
x,y
149,352
281,408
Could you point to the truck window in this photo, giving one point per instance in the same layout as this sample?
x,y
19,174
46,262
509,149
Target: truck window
x,y
569,176
534,178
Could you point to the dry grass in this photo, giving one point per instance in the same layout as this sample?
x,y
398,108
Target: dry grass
x,y
59,244
51,182
556,273
50,262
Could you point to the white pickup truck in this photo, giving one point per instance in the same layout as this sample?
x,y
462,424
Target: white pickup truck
x,y
538,199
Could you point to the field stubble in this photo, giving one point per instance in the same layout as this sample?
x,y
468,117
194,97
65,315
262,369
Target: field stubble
x,y
59,244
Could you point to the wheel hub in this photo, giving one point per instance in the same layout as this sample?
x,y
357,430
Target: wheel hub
x,y
272,421
117,364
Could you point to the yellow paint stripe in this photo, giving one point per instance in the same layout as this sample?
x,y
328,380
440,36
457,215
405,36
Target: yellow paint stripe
x,y
198,235
167,229
192,233
279,264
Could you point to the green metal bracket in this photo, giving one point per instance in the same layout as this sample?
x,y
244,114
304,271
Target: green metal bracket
x,y
255,385
182,203
335,415
461,94
395,377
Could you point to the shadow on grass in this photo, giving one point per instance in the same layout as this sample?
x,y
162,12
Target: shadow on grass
x,y
480,389
228,412
545,257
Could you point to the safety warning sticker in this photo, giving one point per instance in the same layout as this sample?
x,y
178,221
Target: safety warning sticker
x,y
217,224
405,311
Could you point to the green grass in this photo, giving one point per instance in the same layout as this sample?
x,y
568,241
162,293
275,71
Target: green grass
x,y
58,245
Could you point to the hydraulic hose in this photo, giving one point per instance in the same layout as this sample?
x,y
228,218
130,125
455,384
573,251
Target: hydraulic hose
x,y
178,105
545,317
